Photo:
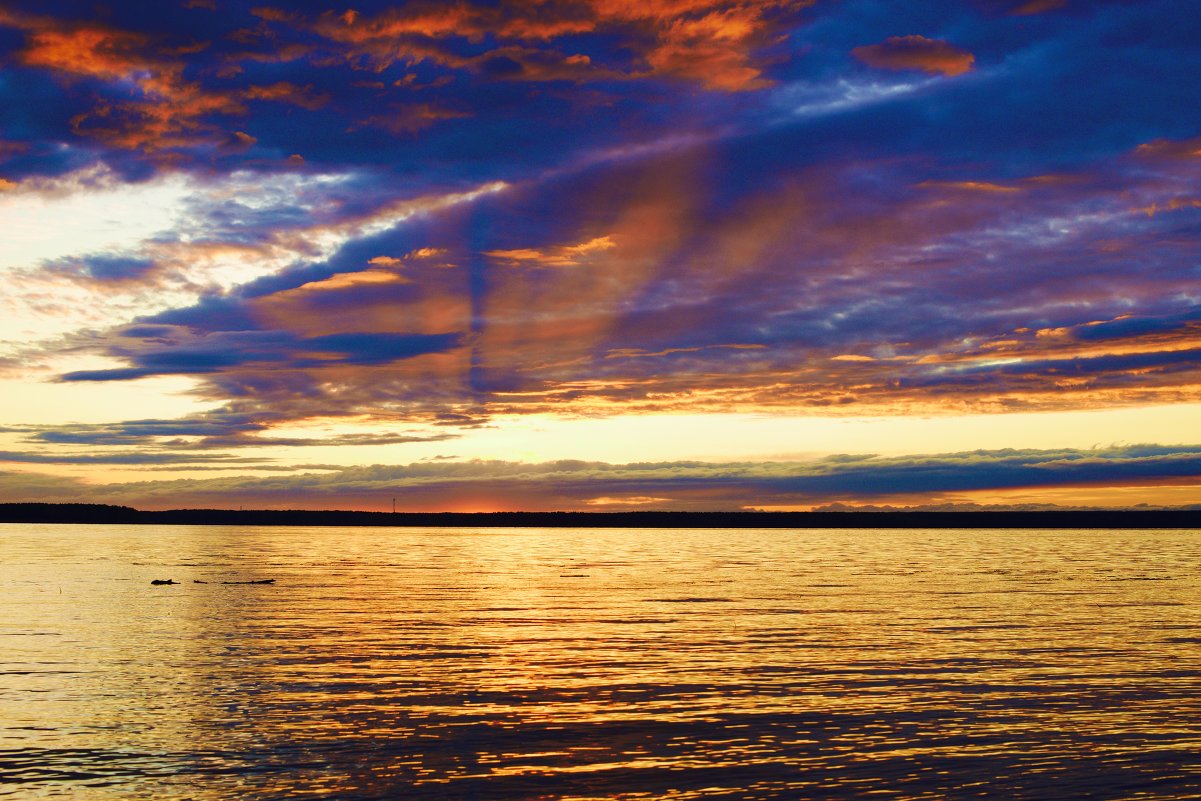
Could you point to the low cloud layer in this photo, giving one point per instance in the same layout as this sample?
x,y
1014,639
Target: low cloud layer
x,y
578,485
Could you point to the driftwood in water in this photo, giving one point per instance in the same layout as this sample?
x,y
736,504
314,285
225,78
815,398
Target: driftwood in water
x,y
198,581
260,581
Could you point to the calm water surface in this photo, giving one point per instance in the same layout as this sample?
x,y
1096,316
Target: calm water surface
x,y
598,664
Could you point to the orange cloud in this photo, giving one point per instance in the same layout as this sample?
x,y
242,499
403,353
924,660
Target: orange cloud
x,y
632,500
969,186
273,14
591,246
412,118
638,353
711,42
91,51
1171,149
167,111
431,20
285,92
714,50
8,149
421,254
240,140
345,280
1038,7
517,63
562,256
161,123
916,53
1175,204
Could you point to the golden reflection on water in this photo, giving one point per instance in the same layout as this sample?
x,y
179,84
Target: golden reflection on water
x,y
598,664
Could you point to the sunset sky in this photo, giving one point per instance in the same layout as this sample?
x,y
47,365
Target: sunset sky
x,y
600,254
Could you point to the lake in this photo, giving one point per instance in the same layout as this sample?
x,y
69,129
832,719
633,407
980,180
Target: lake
x,y
598,663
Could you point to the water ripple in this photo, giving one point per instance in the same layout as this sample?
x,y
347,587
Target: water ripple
x,y
589,664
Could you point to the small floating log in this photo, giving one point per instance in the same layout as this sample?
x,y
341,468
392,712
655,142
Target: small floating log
x,y
260,581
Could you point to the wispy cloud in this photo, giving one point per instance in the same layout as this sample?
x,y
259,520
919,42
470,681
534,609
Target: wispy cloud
x,y
916,53
125,458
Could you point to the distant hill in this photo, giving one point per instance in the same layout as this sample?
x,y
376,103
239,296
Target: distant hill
x,y
1096,518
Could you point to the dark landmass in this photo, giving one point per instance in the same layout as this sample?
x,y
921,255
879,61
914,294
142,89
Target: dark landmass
x,y
1099,518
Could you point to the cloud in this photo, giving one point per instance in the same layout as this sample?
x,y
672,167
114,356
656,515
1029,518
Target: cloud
x,y
103,268
239,140
284,92
182,353
710,42
126,458
713,48
561,256
631,500
340,281
638,353
21,486
8,149
1038,7
141,432
217,234
916,53
765,286
444,213
969,186
356,440
1171,149
167,109
176,441
409,119
578,485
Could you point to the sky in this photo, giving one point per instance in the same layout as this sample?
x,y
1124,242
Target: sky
x,y
601,254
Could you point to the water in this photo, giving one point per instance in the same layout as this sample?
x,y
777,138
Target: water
x,y
598,664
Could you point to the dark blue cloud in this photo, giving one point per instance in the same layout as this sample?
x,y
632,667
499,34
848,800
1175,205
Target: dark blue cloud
x,y
379,348
218,430
137,432
127,458
103,268
1138,326
1171,360
230,350
211,313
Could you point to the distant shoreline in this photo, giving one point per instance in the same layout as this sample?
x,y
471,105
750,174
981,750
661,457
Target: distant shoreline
x,y
105,514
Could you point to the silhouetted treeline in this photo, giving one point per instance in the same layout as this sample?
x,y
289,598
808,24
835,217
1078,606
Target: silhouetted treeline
x,y
99,513
67,513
